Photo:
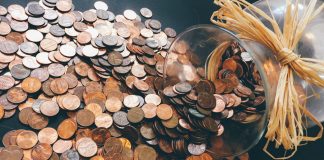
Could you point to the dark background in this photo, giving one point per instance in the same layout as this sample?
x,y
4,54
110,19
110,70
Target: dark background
x,y
178,14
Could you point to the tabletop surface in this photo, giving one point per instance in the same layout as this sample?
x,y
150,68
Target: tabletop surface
x,y
178,14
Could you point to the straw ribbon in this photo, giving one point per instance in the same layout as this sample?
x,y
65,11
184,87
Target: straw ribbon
x,y
286,127
286,56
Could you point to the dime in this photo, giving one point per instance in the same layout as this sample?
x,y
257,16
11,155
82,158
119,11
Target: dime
x,y
147,13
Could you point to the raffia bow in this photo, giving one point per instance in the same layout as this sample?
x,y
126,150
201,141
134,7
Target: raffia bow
x,y
285,125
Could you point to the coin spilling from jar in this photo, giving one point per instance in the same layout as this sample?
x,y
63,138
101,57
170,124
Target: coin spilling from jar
x,y
104,72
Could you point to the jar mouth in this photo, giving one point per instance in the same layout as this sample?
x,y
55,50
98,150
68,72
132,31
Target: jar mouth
x,y
227,35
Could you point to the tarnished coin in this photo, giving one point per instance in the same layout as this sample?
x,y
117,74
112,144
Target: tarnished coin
x,y
120,118
29,47
70,155
16,95
135,115
11,153
85,117
19,71
56,69
59,86
115,58
40,73
42,151
8,47
6,82
37,121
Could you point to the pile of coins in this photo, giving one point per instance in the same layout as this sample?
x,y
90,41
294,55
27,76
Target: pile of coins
x,y
105,72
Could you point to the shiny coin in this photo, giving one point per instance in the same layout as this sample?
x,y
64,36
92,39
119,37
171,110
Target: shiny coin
x,y
34,36
104,120
147,13
47,135
27,139
130,14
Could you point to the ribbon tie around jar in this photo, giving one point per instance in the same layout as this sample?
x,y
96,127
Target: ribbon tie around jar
x,y
285,127
286,56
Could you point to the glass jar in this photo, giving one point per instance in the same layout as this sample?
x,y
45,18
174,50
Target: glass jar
x,y
200,41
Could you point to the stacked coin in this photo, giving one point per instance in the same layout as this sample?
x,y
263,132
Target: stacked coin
x,y
105,72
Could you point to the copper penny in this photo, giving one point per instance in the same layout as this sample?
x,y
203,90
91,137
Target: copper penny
x,y
135,115
2,112
86,147
47,135
149,110
27,139
61,146
82,69
42,151
48,45
11,153
85,117
100,135
6,82
37,121
71,102
49,108
40,73
95,108
113,104
84,37
24,115
164,112
67,129
16,95
104,120
71,79
31,84
59,86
